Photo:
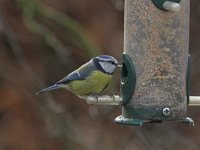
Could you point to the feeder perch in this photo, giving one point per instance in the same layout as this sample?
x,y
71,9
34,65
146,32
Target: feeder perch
x,y
168,5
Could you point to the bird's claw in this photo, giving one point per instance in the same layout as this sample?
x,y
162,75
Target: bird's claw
x,y
113,96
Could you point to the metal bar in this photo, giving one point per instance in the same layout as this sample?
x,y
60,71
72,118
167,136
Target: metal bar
x,y
194,101
103,99
117,100
171,6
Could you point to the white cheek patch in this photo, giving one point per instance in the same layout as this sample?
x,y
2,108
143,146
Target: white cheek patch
x,y
107,67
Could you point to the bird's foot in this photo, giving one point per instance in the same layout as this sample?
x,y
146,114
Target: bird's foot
x,y
112,95
95,95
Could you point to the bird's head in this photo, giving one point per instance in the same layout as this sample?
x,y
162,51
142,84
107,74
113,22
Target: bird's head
x,y
105,63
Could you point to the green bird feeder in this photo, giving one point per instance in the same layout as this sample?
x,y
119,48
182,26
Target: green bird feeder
x,y
155,64
155,72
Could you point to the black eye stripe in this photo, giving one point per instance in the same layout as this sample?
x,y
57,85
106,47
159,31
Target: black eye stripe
x,y
112,62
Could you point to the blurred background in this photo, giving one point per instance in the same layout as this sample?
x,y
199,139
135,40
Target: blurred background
x,y
41,41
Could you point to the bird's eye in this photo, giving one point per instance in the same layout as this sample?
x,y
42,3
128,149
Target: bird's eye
x,y
112,62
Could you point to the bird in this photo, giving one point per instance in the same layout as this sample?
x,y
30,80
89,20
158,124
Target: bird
x,y
89,79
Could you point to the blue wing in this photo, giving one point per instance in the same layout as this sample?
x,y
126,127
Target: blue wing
x,y
72,76
80,74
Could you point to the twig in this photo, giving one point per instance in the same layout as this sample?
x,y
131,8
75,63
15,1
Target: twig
x,y
77,32
49,38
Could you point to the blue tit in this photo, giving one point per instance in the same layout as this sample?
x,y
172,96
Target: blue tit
x,y
91,78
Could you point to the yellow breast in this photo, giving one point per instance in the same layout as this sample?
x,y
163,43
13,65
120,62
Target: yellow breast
x,y
95,83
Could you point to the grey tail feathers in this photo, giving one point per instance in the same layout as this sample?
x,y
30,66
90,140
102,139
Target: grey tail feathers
x,y
50,88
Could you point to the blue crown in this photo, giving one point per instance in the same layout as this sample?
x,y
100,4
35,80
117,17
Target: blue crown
x,y
106,58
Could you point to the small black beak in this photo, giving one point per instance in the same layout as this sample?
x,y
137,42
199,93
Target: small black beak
x,y
119,66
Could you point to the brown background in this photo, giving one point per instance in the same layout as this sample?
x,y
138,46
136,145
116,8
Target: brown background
x,y
60,120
